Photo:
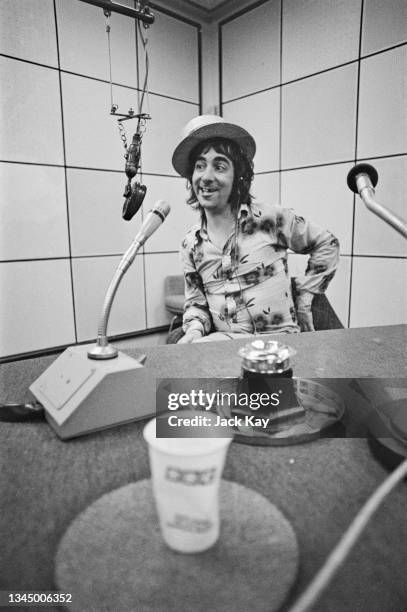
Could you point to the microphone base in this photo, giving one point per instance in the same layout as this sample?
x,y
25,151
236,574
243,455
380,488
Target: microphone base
x,y
102,352
81,395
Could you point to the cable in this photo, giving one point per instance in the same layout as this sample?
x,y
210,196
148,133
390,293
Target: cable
x,y
347,541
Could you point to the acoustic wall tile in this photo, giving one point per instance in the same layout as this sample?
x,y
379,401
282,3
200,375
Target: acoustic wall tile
x,y
265,188
251,49
181,217
92,277
36,306
322,196
382,128
157,267
318,119
379,292
172,47
95,213
163,132
318,35
384,24
33,221
372,235
30,122
92,137
259,115
338,289
83,42
34,22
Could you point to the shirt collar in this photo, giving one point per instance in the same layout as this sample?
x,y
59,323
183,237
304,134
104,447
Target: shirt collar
x,y
201,231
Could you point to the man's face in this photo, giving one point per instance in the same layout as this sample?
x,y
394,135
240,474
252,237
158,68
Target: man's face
x,y
212,181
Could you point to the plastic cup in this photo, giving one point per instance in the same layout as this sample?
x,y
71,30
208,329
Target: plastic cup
x,y
186,474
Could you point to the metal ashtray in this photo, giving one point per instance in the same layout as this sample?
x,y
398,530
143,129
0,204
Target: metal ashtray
x,y
317,409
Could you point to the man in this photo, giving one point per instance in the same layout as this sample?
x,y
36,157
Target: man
x,y
235,259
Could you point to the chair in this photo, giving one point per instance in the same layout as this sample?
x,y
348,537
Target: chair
x,y
323,314
174,299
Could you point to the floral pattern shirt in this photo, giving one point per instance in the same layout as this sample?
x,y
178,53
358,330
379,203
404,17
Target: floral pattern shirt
x,y
245,287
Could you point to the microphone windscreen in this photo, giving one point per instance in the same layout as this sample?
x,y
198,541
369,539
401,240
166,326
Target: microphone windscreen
x,y
161,208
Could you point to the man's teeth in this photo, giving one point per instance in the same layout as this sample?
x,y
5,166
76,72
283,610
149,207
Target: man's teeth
x,y
206,190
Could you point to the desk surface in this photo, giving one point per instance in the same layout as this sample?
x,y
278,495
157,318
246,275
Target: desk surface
x,y
319,486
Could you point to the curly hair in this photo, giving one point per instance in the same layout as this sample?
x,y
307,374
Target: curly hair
x,y
243,171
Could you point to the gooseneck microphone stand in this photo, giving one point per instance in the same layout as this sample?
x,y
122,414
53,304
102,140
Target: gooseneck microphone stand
x,y
362,179
102,349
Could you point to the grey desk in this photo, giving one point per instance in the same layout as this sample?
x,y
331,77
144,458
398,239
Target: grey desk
x,y
320,486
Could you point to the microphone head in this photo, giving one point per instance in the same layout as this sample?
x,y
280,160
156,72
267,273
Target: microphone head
x,y
161,208
361,169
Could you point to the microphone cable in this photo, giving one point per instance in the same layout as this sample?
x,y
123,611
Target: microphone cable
x,y
347,541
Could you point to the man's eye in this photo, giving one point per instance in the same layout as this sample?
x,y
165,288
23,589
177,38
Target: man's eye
x,y
221,167
199,166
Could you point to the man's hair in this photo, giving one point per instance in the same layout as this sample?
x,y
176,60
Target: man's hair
x,y
243,170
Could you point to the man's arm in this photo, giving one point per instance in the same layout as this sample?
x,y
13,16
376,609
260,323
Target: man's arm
x,y
323,247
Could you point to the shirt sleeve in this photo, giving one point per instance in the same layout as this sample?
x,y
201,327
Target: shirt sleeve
x,y
196,309
304,237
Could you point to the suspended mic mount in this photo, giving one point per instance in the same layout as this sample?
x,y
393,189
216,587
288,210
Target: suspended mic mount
x,y
140,13
133,194
362,179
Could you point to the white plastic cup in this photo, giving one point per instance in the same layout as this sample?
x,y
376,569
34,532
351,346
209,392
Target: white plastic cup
x,y
186,474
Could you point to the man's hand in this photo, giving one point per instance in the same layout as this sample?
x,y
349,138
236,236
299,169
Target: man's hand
x,y
304,314
190,336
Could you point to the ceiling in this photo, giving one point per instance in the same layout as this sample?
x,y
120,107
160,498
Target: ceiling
x,y
207,10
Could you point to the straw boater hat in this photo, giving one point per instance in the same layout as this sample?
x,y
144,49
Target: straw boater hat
x,y
205,127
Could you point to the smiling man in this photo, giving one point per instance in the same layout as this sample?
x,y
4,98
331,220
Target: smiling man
x,y
235,259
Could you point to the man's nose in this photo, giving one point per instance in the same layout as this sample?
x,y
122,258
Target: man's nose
x,y
207,175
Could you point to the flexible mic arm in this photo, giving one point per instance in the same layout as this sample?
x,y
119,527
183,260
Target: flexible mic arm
x,y
102,349
362,179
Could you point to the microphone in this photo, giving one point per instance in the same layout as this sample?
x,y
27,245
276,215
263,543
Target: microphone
x,y
102,349
362,179
153,220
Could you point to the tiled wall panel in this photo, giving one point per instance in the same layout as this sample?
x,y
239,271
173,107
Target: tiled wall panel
x,y
82,26
157,267
259,114
36,306
163,132
318,118
265,188
91,278
95,212
92,138
382,108
384,24
33,219
318,35
21,21
372,235
30,121
257,32
172,47
173,190
379,291
321,195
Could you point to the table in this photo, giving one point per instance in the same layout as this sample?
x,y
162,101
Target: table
x,y
319,486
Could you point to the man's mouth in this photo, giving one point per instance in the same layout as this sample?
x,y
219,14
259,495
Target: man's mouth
x,y
206,190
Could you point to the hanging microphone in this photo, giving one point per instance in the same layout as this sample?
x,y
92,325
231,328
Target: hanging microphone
x,y
102,349
362,179
134,194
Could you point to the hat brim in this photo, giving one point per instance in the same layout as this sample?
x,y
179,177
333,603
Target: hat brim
x,y
230,131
